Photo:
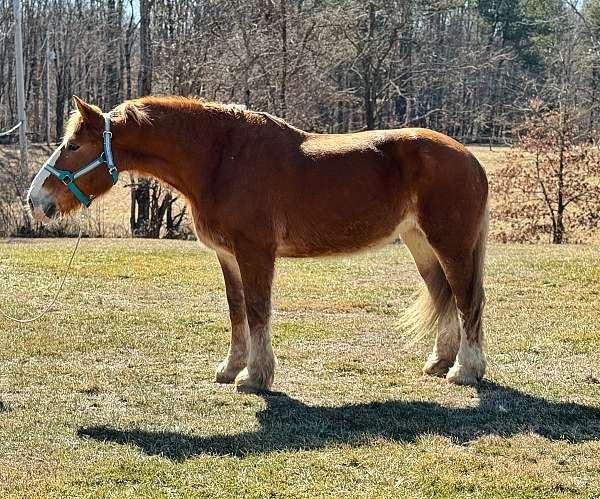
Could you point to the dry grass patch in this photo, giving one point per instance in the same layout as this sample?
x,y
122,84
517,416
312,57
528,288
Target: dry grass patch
x,y
112,395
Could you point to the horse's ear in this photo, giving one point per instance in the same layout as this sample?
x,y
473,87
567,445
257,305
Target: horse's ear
x,y
91,115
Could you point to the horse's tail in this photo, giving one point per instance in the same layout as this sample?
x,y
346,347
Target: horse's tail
x,y
477,291
434,302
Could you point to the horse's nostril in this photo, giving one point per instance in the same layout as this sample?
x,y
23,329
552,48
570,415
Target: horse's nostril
x,y
50,210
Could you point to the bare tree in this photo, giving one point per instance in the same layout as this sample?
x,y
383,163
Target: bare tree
x,y
549,185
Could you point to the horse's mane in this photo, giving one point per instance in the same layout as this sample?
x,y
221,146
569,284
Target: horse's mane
x,y
137,110
184,103
72,125
134,110
216,109
129,110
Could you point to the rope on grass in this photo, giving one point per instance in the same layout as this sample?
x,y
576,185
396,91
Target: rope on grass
x,y
62,283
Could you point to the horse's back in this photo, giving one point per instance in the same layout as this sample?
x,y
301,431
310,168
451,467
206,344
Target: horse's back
x,y
344,192
410,154
401,163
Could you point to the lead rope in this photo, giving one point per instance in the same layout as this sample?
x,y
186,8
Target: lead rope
x,y
62,283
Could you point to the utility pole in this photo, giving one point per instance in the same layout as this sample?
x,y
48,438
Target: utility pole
x,y
20,92
49,55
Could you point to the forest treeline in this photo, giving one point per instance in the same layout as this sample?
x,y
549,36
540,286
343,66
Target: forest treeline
x,y
477,70
464,67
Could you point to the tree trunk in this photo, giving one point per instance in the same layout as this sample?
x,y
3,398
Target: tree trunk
x,y
558,229
368,73
112,33
140,225
284,60
145,74
142,201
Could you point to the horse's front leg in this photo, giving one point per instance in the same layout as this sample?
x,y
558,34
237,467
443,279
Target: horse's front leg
x,y
256,268
238,348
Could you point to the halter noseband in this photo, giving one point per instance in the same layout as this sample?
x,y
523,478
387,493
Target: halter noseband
x,y
68,178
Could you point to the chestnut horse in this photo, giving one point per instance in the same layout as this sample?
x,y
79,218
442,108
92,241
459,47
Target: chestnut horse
x,y
259,189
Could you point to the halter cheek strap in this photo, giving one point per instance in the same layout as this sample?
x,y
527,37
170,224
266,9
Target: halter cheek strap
x,y
106,158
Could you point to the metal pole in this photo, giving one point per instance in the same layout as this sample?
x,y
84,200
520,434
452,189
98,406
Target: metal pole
x,y
20,89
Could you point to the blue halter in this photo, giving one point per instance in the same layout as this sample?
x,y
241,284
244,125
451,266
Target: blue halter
x,y
68,178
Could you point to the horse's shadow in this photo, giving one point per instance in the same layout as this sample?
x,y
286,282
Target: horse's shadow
x,y
287,423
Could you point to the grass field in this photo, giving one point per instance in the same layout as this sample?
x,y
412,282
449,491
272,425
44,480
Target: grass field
x,y
112,395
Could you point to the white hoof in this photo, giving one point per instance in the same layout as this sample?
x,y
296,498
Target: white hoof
x,y
228,370
253,379
470,364
436,367
461,375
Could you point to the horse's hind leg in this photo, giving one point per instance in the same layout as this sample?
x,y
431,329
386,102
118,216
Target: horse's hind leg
x,y
435,308
446,345
470,363
240,334
464,272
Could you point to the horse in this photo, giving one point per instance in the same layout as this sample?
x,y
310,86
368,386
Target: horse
x,y
259,188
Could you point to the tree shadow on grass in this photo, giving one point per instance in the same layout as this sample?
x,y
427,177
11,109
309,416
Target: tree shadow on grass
x,y
287,423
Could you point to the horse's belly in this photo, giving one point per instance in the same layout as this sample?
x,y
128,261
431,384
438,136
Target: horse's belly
x,y
349,238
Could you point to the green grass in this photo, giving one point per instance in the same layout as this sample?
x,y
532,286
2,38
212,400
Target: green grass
x,y
112,394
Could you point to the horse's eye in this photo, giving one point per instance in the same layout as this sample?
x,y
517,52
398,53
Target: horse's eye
x,y
72,147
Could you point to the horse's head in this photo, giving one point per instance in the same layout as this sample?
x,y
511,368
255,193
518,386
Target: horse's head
x,y
80,169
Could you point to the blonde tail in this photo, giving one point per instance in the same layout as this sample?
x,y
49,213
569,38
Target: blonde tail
x,y
434,302
478,293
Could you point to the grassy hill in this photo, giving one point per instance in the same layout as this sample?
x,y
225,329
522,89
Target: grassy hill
x,y
112,394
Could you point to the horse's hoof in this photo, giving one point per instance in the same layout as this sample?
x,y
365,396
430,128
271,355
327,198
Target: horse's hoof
x,y
461,375
436,367
246,383
226,372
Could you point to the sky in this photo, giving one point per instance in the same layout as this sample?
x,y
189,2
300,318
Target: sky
x,y
136,8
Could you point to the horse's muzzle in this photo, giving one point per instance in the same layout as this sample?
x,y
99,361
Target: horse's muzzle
x,y
42,214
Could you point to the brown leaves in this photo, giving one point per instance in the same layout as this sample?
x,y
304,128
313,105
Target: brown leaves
x,y
550,185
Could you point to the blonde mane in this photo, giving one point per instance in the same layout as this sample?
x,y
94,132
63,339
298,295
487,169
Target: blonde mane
x,y
129,110
137,110
72,125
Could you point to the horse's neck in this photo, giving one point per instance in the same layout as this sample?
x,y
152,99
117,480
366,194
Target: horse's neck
x,y
169,149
